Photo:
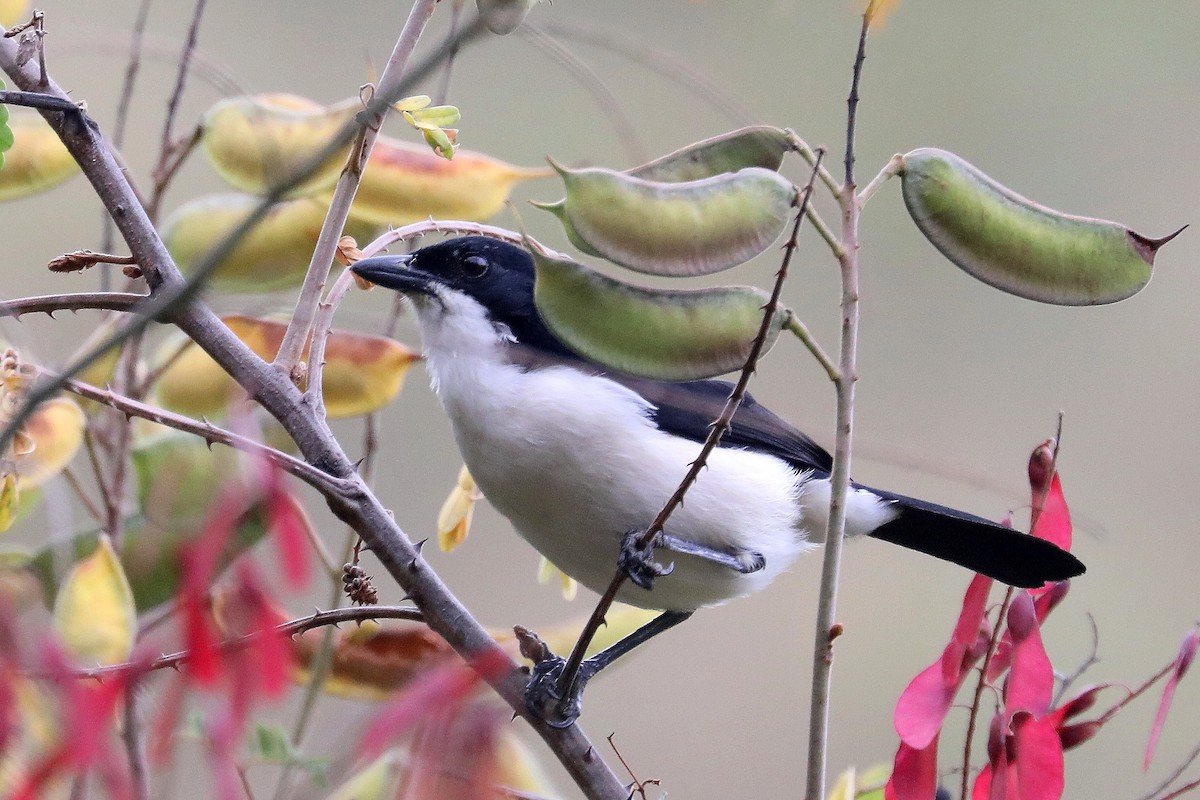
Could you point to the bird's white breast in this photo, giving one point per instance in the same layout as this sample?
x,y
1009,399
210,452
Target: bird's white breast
x,y
574,462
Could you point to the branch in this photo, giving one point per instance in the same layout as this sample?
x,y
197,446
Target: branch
x,y
80,301
839,480
323,482
320,619
392,83
358,508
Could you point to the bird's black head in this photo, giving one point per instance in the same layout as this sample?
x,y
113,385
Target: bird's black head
x,y
497,275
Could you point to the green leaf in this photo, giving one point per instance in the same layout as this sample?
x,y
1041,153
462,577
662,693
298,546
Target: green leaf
x,y
269,745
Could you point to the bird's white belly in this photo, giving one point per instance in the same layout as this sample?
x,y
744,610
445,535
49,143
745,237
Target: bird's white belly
x,y
574,473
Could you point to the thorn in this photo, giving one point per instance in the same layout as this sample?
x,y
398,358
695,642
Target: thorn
x,y
408,597
421,544
412,565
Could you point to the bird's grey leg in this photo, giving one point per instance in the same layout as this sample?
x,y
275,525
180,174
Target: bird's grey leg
x,y
560,708
636,560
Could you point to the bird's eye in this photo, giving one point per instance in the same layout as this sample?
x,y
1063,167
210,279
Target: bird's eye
x,y
475,266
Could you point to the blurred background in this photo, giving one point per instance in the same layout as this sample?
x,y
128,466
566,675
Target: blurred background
x,y
1089,108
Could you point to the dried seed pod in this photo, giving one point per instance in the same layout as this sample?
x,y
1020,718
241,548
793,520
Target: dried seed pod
x,y
1017,245
274,254
37,159
666,335
689,228
256,141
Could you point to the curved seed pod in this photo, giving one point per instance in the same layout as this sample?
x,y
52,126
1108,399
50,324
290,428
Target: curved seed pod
x,y
405,183
677,229
1018,246
256,141
755,146
504,16
666,335
273,255
37,160
362,372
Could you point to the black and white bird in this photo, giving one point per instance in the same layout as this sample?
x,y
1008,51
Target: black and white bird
x,y
578,456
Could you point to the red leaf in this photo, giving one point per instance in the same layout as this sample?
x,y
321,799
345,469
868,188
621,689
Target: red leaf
x,y
1054,523
924,703
1030,684
1187,652
914,773
436,693
1045,600
288,525
1075,735
1039,758
204,665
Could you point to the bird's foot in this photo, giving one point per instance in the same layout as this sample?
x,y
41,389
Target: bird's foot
x,y
549,697
636,560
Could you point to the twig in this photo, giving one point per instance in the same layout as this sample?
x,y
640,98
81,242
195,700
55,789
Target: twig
x,y
81,301
980,685
291,628
38,100
1174,776
365,133
612,109
1093,658
810,155
185,61
839,479
831,239
321,330
88,504
443,91
890,170
321,481
718,429
135,745
133,64
797,327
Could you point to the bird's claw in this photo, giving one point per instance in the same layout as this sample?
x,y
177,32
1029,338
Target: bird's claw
x,y
547,700
636,560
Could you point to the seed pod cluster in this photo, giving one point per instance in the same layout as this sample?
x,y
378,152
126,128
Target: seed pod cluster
x,y
255,142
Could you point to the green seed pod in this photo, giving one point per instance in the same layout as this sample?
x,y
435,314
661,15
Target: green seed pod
x,y
756,146
1018,246
665,335
677,229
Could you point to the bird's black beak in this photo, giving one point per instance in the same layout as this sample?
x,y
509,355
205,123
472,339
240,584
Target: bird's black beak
x,y
393,272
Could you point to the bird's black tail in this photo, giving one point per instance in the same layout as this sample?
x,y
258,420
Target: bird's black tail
x,y
978,544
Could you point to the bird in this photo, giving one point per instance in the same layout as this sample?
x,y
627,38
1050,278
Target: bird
x,y
581,457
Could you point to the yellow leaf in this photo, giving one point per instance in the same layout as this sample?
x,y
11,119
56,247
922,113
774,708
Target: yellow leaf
x,y
546,571
454,520
56,430
378,780
844,788
13,12
10,497
362,373
94,613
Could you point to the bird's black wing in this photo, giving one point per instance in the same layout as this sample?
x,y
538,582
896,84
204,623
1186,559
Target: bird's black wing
x,y
688,409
